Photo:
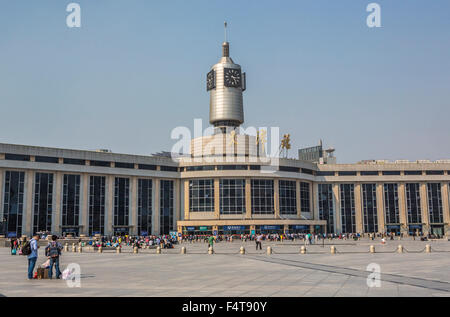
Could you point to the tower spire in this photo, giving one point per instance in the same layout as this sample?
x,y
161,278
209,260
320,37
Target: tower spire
x,y
225,27
225,45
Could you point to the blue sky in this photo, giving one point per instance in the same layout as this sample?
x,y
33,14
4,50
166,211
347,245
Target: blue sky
x,y
136,69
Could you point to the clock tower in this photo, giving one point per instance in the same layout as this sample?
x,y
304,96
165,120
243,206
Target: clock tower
x,y
226,82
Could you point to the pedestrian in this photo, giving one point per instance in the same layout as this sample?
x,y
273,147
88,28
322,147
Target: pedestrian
x,y
53,252
258,240
211,241
31,250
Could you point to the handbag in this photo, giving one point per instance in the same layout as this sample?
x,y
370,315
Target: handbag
x,y
46,264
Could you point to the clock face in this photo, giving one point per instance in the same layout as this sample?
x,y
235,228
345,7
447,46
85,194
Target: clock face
x,y
232,77
211,80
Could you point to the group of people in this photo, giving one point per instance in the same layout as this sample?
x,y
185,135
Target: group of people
x,y
30,249
163,241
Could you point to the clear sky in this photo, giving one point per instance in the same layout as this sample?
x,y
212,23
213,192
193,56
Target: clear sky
x,y
136,69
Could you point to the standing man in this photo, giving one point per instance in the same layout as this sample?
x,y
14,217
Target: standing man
x,y
53,251
33,255
259,241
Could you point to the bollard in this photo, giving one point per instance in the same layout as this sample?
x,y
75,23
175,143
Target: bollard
x,y
158,250
100,249
73,247
428,248
400,248
372,249
302,249
118,249
80,249
210,250
242,250
135,250
333,249
183,250
66,247
269,250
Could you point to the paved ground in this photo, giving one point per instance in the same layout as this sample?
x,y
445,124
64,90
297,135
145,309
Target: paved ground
x,y
227,273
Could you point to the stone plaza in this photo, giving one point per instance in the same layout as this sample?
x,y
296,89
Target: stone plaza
x,y
285,272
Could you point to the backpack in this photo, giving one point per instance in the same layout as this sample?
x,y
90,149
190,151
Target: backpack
x,y
26,249
53,250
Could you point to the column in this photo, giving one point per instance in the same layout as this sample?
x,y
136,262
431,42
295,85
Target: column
x,y
177,204
2,194
337,208
380,207
186,199
402,209
358,209
216,198
276,200
28,207
315,200
84,204
297,198
109,205
133,200
156,203
56,221
424,206
248,198
445,207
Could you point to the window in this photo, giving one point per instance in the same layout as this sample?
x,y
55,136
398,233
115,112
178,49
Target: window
x,y
255,167
413,202
326,209
199,168
232,196
288,197
147,167
347,173
17,157
169,168
370,215
391,204
100,163
325,173
124,165
97,205
413,172
46,159
145,207
13,203
390,172
71,201
43,198
201,195
166,206
347,192
262,196
305,203
434,172
369,173
121,201
289,169
74,161
231,167
435,203
307,171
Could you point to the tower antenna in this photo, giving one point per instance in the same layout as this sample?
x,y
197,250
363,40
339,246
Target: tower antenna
x,y
225,24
